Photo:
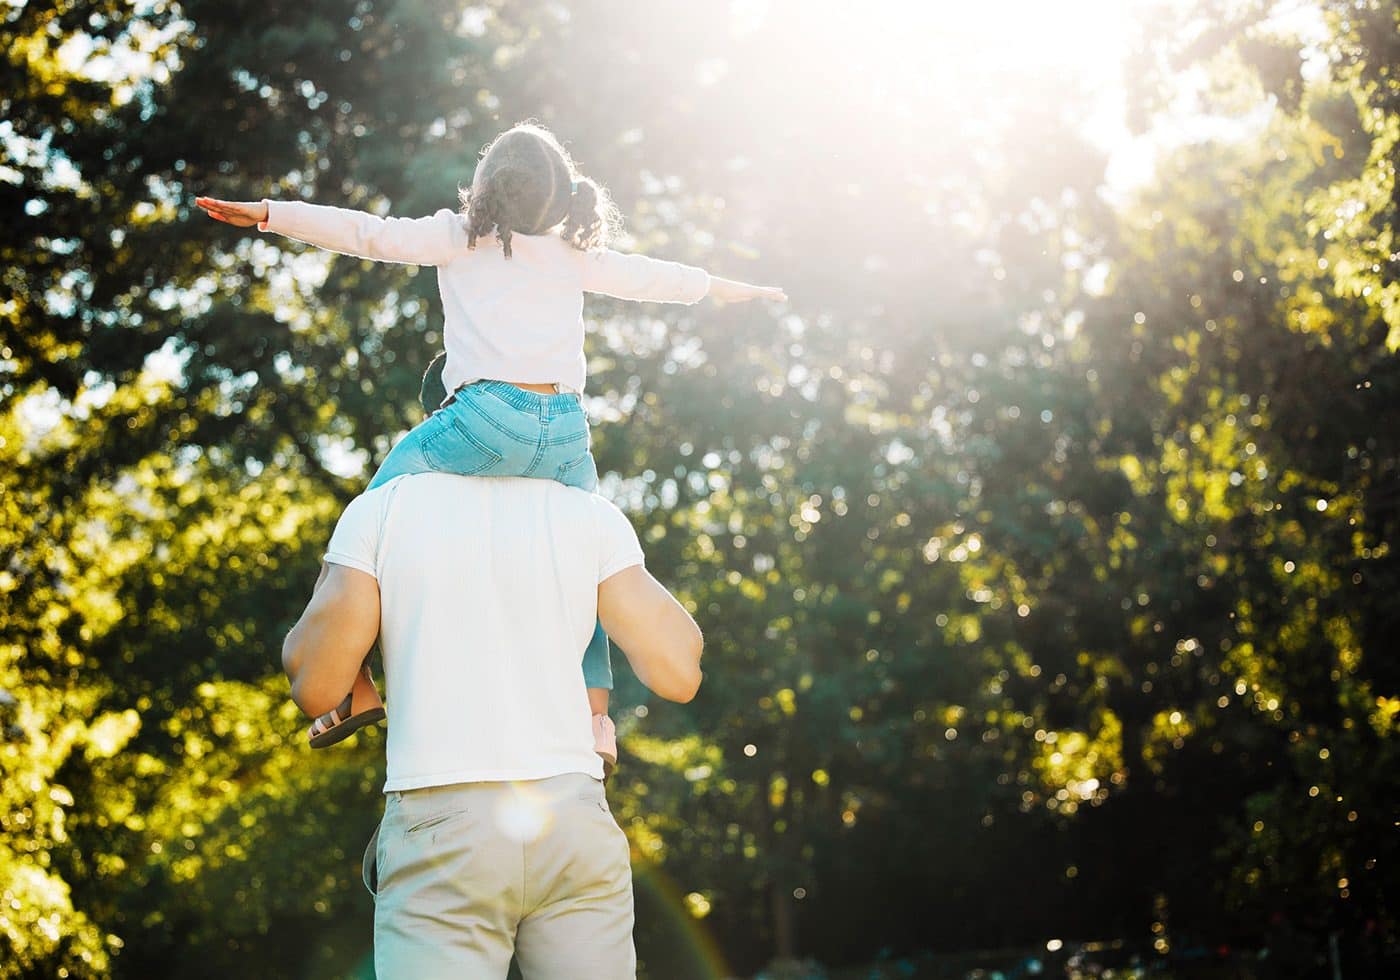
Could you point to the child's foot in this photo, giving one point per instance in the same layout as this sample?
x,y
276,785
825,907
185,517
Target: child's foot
x,y
605,742
361,707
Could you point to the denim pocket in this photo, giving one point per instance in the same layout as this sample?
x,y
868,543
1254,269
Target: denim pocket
x,y
579,472
453,448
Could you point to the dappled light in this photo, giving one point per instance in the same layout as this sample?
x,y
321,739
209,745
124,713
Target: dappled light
x,y
1043,538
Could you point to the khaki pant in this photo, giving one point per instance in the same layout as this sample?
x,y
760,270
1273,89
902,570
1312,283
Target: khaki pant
x,y
465,875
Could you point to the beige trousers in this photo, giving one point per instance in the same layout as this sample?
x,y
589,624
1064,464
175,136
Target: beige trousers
x,y
465,875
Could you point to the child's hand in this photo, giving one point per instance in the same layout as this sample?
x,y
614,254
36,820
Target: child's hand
x,y
243,214
730,291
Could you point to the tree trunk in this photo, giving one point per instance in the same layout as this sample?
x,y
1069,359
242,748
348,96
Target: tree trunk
x,y
782,921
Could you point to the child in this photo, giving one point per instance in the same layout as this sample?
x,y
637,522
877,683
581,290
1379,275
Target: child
x,y
513,331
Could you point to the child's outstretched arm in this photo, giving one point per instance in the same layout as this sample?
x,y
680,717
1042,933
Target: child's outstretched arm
x,y
434,240
640,277
734,291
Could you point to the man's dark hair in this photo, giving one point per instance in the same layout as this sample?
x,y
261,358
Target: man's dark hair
x,y
433,391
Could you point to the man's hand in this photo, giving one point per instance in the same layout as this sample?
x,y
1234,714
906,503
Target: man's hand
x,y
242,214
733,291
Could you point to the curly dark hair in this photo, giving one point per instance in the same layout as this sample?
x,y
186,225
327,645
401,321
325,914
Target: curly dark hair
x,y
527,183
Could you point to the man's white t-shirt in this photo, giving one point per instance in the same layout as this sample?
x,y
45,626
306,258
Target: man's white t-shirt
x,y
488,593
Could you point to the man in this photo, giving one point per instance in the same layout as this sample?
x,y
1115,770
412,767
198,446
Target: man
x,y
496,835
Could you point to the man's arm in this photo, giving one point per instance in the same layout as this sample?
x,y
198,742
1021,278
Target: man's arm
x,y
326,647
661,641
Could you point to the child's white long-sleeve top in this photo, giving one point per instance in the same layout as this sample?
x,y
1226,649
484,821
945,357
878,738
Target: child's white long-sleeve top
x,y
517,319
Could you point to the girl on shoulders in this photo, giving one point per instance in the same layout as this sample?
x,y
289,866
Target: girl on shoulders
x,y
513,332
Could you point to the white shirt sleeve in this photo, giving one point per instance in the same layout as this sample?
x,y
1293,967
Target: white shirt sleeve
x,y
355,542
435,240
618,547
639,277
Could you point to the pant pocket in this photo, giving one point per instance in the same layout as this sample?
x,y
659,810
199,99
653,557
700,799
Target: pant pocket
x,y
435,821
453,448
581,472
369,864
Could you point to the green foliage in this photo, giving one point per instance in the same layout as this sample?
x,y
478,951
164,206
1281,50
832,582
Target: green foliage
x,y
1017,579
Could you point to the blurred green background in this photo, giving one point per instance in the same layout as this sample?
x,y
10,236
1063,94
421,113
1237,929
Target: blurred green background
x,y
1043,541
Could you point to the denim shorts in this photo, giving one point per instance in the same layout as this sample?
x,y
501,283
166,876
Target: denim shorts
x,y
491,428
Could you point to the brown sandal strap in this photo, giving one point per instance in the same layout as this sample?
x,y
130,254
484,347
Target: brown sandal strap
x,y
335,714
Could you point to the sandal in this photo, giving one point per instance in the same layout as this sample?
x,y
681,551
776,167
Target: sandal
x,y
361,707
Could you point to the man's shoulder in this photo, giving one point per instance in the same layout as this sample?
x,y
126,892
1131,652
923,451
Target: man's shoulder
x,y
473,497
377,496
424,487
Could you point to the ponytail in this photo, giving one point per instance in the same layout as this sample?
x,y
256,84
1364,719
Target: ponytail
x,y
592,219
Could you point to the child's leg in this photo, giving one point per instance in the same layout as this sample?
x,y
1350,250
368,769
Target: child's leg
x,y
455,439
597,663
597,677
597,658
407,455
598,698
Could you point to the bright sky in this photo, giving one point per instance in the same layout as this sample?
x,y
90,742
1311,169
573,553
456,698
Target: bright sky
x,y
916,45
919,51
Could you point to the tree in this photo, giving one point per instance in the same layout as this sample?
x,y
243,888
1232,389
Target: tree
x,y
1042,547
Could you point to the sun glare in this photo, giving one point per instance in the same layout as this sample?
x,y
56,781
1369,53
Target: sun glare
x,y
1087,36
928,62
1015,36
